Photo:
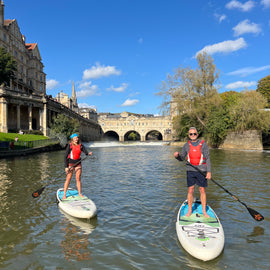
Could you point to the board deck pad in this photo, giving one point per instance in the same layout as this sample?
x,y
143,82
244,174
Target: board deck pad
x,y
75,205
197,215
70,194
200,236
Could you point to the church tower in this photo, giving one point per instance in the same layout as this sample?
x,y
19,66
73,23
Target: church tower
x,y
74,99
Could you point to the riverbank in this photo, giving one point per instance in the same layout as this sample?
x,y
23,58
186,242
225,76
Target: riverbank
x,y
245,140
30,151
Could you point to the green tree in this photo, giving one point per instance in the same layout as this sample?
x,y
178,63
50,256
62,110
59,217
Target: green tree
x,y
8,66
64,125
217,125
263,87
229,101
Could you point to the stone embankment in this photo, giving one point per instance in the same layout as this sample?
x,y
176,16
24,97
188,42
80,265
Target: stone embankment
x,y
246,140
30,151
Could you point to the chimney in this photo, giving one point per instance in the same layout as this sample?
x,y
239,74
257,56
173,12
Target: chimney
x,y
2,19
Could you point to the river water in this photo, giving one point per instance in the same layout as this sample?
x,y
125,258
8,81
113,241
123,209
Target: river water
x,y
138,190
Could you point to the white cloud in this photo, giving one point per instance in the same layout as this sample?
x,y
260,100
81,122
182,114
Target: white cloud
x,y
87,90
265,3
134,94
130,102
50,84
140,40
248,71
99,71
121,88
220,17
245,27
247,6
240,84
224,47
85,105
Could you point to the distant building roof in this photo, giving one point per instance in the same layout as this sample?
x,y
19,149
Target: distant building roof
x,y
30,46
8,22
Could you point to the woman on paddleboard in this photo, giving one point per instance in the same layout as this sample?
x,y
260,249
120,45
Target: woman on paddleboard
x,y
73,156
197,153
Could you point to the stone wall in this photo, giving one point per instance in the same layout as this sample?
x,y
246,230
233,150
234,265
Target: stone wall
x,y
246,140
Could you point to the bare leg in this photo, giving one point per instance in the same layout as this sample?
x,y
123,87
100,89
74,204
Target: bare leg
x,y
69,175
190,200
203,201
78,180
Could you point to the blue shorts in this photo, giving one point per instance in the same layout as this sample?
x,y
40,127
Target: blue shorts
x,y
196,178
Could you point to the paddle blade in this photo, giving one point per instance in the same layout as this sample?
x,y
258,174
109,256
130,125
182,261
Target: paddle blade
x,y
36,193
256,215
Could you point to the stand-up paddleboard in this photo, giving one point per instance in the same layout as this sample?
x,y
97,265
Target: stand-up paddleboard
x,y
201,237
74,205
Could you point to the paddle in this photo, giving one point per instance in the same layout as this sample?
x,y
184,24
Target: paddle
x,y
256,215
37,193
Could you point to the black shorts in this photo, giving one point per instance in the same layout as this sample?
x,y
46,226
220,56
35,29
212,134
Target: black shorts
x,y
196,178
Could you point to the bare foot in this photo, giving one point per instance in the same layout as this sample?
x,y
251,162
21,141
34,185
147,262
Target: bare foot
x,y
188,214
81,195
64,198
206,215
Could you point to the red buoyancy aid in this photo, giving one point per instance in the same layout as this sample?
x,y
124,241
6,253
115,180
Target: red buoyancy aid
x,y
195,156
75,152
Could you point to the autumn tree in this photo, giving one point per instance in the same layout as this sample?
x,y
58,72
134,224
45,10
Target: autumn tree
x,y
263,87
249,112
194,91
8,66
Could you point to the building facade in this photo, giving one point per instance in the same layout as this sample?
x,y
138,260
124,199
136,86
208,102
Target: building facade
x,y
21,102
24,104
120,125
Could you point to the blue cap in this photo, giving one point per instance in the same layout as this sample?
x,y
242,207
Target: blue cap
x,y
74,135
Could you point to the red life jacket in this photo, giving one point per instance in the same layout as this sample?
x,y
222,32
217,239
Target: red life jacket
x,y
75,152
195,156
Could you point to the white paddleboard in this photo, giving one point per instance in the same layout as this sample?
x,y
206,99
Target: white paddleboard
x,y
201,237
74,205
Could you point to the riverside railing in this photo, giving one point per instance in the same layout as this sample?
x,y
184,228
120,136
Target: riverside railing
x,y
20,145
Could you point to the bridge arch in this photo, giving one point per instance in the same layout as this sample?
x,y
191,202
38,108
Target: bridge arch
x,y
154,135
132,135
111,135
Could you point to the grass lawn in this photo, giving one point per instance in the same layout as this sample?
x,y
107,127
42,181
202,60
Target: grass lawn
x,y
8,137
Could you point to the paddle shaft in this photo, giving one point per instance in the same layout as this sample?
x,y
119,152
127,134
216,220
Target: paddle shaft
x,y
256,215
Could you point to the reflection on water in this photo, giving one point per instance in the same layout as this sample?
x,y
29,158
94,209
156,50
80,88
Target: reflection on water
x,y
253,237
86,226
76,244
138,190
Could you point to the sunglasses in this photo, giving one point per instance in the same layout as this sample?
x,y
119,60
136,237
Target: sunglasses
x,y
190,134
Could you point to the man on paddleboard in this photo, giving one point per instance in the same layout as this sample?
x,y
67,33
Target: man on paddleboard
x,y
197,153
73,156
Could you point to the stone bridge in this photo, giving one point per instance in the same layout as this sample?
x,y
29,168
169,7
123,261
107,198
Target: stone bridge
x,y
146,127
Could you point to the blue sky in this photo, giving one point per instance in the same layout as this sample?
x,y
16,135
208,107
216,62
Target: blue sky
x,y
118,52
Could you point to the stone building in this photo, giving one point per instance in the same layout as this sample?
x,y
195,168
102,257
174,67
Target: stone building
x,y
21,102
24,104
64,99
89,113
